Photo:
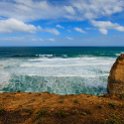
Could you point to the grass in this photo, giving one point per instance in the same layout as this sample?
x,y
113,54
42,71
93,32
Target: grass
x,y
41,113
40,116
61,114
87,111
121,96
81,112
27,111
61,101
75,101
99,106
112,105
2,111
114,119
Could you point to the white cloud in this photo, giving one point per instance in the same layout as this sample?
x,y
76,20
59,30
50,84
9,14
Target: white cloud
x,y
79,30
36,39
59,26
92,9
104,26
70,10
20,38
13,25
28,10
51,39
51,30
69,38
18,14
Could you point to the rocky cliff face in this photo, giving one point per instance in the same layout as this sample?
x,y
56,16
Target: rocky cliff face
x,y
116,77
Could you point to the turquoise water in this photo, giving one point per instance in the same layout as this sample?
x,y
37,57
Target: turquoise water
x,y
60,70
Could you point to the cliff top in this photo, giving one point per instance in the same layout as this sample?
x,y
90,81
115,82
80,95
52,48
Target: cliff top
x,y
36,108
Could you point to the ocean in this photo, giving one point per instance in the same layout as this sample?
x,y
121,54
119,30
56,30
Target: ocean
x,y
59,70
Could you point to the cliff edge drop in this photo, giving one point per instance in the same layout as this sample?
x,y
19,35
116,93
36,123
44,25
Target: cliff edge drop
x,y
116,77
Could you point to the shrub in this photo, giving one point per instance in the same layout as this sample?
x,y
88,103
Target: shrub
x,y
41,113
2,111
112,105
121,96
76,101
61,101
114,119
61,114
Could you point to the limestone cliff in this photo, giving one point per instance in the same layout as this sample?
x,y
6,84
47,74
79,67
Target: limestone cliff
x,y
116,77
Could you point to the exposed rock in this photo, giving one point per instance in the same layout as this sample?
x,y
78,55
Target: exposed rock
x,y
116,77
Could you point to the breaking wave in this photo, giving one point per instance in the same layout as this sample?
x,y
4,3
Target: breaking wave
x,y
84,74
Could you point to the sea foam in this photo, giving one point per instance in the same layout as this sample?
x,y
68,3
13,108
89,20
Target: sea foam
x,y
56,75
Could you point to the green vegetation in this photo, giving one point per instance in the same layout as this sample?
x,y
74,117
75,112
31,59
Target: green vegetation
x,y
76,101
18,91
99,106
27,111
87,111
41,113
61,101
121,96
61,114
2,111
114,119
112,105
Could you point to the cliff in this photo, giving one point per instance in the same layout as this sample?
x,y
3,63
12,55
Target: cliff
x,y
116,77
45,108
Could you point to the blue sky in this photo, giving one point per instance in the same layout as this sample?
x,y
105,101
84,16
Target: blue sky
x,y
62,23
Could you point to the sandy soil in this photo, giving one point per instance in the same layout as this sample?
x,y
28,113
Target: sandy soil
x,y
45,108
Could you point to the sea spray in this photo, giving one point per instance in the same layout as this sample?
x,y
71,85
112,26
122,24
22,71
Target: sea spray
x,y
58,85
58,75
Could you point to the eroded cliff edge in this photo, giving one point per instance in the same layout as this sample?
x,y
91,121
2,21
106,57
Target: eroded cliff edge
x,y
116,77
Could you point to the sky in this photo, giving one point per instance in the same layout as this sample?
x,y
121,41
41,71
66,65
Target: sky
x,y
61,22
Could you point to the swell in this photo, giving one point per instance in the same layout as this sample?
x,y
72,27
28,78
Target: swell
x,y
64,52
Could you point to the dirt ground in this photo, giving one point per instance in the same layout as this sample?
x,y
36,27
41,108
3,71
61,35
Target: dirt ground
x,y
45,108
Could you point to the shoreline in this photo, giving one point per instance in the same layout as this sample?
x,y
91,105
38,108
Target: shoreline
x,y
46,108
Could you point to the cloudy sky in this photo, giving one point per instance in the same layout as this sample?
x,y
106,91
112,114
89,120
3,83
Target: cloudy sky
x,y
61,22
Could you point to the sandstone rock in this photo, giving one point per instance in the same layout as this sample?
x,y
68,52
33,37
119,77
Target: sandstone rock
x,y
116,77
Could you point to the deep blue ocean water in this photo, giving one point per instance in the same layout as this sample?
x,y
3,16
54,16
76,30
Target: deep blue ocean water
x,y
60,70
59,51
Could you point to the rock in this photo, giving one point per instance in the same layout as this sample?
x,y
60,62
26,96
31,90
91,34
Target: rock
x,y
116,77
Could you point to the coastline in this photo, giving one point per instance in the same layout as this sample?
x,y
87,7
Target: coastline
x,y
46,108
37,108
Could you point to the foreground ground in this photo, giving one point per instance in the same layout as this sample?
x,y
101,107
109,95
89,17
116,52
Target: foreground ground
x,y
45,108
